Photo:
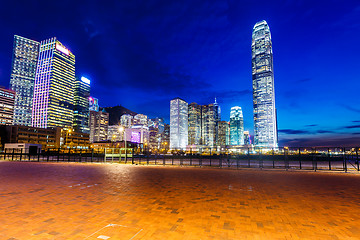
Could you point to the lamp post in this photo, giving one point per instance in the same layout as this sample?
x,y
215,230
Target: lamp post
x,y
122,129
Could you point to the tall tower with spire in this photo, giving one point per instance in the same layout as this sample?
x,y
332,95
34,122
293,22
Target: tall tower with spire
x,y
265,126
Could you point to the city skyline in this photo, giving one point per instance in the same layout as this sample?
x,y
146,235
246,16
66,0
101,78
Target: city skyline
x,y
209,56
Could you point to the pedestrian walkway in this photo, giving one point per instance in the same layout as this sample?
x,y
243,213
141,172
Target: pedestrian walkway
x,y
115,201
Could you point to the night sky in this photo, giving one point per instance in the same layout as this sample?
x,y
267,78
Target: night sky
x,y
141,54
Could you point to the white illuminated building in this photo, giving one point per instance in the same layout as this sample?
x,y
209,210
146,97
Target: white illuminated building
x,y
265,127
178,124
140,119
126,120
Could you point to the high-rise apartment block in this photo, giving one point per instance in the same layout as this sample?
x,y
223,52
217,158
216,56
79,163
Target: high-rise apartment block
x,y
178,124
99,122
7,101
54,81
236,126
265,126
22,79
81,104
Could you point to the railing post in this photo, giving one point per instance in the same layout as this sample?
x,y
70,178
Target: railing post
x,y
248,157
328,156
13,152
344,157
357,159
300,157
58,155
5,154
38,154
172,159
315,159
21,151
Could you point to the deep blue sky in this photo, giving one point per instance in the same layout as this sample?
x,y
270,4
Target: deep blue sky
x,y
141,54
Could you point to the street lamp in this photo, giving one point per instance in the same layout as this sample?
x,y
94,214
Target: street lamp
x,y
122,129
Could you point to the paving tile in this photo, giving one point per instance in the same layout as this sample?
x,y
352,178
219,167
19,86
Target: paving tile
x,y
113,201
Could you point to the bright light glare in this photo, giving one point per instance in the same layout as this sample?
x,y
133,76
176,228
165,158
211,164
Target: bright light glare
x,y
85,80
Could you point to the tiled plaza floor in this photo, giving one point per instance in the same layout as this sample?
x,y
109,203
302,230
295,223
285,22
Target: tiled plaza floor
x,y
112,201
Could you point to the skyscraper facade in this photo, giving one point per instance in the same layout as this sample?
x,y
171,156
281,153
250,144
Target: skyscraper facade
x,y
54,81
7,100
178,124
223,133
265,130
99,123
22,79
209,118
126,120
236,126
194,122
81,104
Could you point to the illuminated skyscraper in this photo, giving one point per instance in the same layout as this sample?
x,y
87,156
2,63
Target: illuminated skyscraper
x,y
54,86
22,79
178,124
265,130
7,99
194,122
81,105
236,126
223,133
99,123
209,119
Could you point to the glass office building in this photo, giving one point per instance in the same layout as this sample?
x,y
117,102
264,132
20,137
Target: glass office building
x,y
22,78
81,105
236,126
54,86
265,127
178,124
194,122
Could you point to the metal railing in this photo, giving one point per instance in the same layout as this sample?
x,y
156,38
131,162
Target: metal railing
x,y
315,159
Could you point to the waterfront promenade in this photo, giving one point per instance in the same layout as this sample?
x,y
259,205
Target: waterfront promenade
x,y
41,200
